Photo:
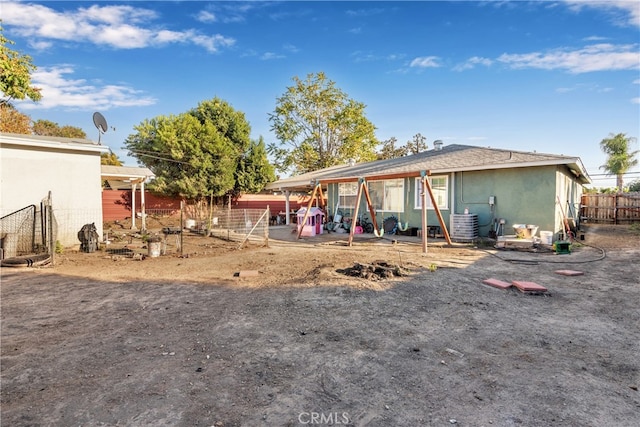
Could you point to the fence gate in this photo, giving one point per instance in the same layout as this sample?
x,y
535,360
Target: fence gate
x,y
28,234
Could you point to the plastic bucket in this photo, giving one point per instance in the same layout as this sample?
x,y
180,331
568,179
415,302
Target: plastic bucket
x,y
154,245
546,237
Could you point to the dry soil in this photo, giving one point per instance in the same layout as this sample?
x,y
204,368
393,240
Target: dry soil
x,y
278,336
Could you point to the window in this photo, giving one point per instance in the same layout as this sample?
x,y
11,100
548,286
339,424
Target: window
x,y
347,192
440,187
387,196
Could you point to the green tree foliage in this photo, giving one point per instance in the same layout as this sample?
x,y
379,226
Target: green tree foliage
x,y
254,171
390,151
417,145
319,126
634,186
620,158
110,159
15,73
195,154
13,121
49,128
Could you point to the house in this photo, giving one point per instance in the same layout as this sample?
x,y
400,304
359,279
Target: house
x,y
498,188
32,167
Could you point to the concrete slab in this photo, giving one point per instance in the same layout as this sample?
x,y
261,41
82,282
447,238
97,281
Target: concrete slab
x,y
569,272
524,286
500,284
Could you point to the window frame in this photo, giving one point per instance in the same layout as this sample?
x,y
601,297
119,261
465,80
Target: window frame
x,y
444,205
384,208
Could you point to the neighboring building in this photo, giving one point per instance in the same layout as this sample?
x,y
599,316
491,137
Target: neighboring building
x,y
518,187
33,166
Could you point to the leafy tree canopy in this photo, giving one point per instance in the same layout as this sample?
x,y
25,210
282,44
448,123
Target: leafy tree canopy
x,y
13,121
15,73
49,128
199,153
319,126
254,171
390,151
620,158
110,159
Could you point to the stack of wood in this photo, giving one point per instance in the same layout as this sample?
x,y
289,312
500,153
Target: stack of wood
x,y
375,271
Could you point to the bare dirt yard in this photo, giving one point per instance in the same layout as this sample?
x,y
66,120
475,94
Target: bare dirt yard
x,y
105,340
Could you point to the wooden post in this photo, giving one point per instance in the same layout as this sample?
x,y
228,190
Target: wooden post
x,y
423,195
372,211
181,227
352,228
445,232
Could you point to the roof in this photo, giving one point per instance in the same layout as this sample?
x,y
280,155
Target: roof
x,y
123,176
52,142
451,158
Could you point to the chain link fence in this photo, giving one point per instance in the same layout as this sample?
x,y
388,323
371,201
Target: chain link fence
x,y
240,225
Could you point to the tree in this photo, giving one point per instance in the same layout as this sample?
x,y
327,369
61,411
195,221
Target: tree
x,y
15,73
13,121
254,171
389,150
619,157
49,128
110,159
417,145
321,126
195,154
634,186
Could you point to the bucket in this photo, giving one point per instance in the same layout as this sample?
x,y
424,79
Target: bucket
x,y
546,237
190,224
154,244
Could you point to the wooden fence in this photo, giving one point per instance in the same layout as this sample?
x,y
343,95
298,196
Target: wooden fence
x,y
623,208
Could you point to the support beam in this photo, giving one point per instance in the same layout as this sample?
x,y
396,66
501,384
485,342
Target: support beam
x,y
133,206
352,228
142,206
437,210
425,182
287,207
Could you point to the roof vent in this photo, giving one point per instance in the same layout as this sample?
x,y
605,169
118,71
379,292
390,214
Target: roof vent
x,y
437,144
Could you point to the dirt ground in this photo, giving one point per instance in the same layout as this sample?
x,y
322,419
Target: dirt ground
x,y
106,340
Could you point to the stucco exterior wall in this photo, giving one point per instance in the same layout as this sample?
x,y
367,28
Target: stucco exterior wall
x,y
73,177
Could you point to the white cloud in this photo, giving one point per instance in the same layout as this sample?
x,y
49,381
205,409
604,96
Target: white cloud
x,y
636,82
472,62
425,62
624,12
598,57
635,100
271,55
206,17
77,94
120,27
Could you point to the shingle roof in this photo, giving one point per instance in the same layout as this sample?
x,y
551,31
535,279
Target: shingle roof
x,y
451,158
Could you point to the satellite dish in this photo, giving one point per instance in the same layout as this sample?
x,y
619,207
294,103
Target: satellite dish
x,y
101,124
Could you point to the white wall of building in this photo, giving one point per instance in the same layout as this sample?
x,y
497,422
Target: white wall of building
x,y
31,168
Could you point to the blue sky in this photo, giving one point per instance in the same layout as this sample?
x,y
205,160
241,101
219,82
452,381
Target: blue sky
x,y
547,76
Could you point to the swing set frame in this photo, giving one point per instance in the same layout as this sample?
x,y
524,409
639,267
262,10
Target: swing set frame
x,y
362,189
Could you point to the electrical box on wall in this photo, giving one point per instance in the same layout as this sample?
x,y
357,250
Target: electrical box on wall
x,y
492,200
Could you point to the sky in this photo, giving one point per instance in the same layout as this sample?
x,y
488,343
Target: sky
x,y
547,76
